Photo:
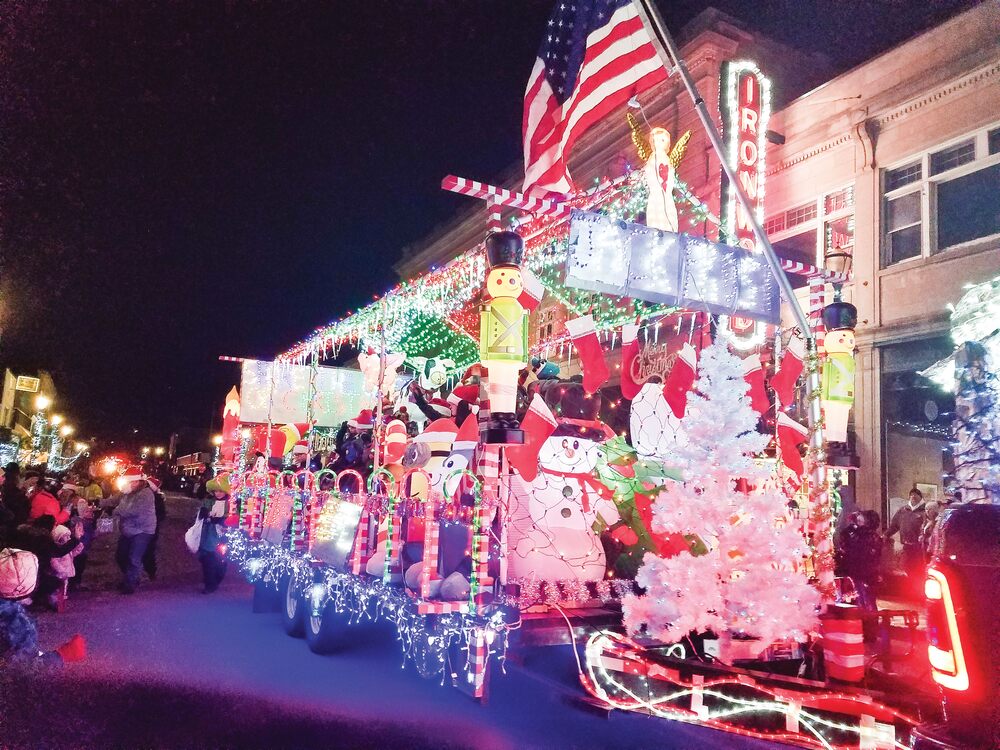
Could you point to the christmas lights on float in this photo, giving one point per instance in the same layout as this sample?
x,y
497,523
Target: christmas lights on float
x,y
662,692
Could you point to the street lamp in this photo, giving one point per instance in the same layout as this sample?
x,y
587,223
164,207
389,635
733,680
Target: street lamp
x,y
56,420
66,430
158,450
217,457
80,447
38,424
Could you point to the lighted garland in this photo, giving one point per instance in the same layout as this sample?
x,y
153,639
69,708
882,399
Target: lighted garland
x,y
425,641
731,695
429,314
533,591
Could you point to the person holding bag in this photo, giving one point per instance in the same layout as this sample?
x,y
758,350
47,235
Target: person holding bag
x,y
212,548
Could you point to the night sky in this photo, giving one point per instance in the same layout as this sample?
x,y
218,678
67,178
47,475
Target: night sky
x,y
180,180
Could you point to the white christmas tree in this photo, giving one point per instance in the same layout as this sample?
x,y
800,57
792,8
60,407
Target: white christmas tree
x,y
744,574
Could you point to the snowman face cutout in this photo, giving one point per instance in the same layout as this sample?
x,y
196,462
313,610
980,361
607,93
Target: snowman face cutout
x,y
566,461
569,455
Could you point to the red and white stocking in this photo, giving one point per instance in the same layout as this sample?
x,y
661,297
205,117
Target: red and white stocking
x,y
753,374
681,379
531,290
791,435
783,381
630,351
538,424
584,335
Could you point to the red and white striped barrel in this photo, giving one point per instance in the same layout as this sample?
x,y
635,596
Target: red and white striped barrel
x,y
843,643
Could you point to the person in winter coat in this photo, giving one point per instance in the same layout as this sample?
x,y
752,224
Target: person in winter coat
x,y
45,503
908,522
62,567
859,552
36,537
90,490
136,514
13,497
18,634
160,504
83,529
212,550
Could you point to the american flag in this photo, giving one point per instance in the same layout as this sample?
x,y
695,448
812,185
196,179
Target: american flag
x,y
595,55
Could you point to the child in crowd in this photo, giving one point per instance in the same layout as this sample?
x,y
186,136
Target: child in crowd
x,y
18,634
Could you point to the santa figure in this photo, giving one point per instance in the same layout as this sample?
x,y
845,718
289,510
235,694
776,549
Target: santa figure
x,y
553,519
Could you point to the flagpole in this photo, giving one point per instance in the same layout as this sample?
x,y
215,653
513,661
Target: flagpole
x,y
669,55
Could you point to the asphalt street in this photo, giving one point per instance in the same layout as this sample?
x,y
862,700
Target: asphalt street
x,y
170,667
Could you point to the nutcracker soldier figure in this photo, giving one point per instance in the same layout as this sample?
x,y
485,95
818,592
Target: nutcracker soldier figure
x,y
838,368
503,336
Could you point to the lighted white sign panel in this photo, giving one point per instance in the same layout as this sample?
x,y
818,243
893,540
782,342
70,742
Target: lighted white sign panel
x,y
631,260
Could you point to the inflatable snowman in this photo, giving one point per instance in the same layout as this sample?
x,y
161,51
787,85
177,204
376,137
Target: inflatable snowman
x,y
551,521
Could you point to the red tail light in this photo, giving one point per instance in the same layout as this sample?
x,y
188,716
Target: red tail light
x,y
944,642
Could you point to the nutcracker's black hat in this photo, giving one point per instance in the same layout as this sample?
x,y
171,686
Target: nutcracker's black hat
x,y
839,316
504,249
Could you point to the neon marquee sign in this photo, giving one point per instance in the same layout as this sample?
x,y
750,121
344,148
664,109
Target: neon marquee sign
x,y
746,108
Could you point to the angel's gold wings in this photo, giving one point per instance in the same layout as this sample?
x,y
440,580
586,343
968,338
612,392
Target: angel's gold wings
x,y
645,150
641,142
677,152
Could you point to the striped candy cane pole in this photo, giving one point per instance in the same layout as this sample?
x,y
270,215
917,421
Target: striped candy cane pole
x,y
478,662
359,554
495,222
817,296
819,502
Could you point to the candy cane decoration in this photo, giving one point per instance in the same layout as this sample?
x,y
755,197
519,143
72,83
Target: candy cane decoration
x,y
392,530
317,507
480,541
302,483
359,555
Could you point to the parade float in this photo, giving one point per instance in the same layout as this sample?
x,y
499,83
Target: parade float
x,y
664,509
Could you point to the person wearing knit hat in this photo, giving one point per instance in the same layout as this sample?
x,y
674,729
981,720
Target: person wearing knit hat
x,y
18,634
212,548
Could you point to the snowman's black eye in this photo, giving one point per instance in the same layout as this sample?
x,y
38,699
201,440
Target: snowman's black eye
x,y
565,443
576,444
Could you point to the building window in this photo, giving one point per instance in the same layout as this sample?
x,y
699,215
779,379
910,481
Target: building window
x,y
800,215
943,199
954,156
994,141
839,200
902,217
968,207
816,231
546,322
916,419
799,247
903,176
774,225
